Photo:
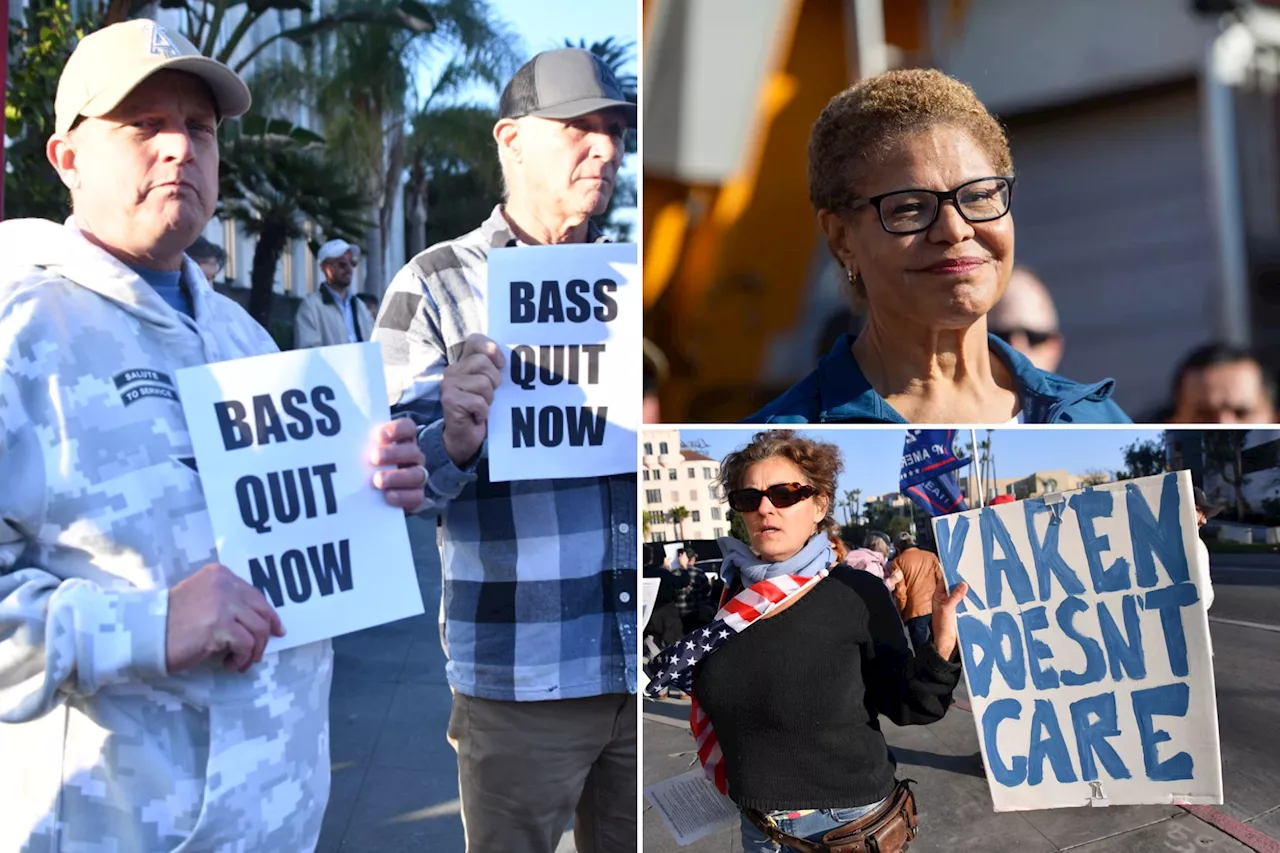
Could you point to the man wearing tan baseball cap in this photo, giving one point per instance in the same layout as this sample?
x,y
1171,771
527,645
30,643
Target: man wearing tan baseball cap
x,y
109,64
140,709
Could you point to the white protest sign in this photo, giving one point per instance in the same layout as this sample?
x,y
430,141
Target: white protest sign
x,y
568,319
691,807
1085,643
648,595
670,549
282,445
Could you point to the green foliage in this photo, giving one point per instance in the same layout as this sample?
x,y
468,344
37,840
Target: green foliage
x,y
738,529
273,182
451,159
1143,458
678,515
1224,456
1271,511
38,49
364,92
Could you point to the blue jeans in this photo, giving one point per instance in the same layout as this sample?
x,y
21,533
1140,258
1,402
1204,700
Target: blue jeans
x,y
920,629
811,826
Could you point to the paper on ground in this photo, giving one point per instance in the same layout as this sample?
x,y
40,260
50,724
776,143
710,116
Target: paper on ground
x,y
691,807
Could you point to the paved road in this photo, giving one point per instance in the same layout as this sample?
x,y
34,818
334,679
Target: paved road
x,y
955,805
395,777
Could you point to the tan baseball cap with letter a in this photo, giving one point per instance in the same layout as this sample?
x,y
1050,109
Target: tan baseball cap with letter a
x,y
109,64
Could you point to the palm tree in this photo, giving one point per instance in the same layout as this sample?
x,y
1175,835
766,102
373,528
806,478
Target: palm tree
x,y
204,21
678,515
363,98
38,45
452,170
274,179
852,500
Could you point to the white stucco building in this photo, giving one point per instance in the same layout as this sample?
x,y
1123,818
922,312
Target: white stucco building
x,y
671,477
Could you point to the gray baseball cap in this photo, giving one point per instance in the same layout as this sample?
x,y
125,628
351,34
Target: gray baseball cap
x,y
562,84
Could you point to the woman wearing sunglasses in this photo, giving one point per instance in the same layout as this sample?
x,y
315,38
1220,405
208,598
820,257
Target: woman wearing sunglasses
x,y
791,697
912,181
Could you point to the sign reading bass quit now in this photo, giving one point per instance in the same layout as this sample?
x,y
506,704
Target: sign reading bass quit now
x,y
568,319
282,445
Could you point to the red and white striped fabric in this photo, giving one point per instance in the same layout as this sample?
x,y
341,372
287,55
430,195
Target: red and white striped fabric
x,y
738,614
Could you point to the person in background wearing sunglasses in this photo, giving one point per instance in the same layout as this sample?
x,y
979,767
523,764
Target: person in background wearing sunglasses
x,y
1025,318
332,315
794,696
912,181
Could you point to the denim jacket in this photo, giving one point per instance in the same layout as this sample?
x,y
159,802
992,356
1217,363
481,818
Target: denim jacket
x,y
838,392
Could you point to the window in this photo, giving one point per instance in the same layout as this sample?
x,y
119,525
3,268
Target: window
x,y
656,516
693,494
715,513
662,447
653,496
675,497
706,474
711,490
719,531
690,473
671,473
648,448
646,473
659,536
696,516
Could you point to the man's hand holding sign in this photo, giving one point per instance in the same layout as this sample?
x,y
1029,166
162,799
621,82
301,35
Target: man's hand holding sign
x,y
287,453
466,393
1086,646
215,614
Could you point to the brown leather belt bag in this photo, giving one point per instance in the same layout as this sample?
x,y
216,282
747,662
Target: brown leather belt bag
x,y
888,829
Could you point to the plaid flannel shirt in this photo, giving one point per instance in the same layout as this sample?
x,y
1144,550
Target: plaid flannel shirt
x,y
540,575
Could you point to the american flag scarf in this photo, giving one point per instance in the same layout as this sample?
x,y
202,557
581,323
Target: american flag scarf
x,y
674,665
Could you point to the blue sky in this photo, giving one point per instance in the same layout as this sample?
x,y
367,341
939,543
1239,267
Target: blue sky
x,y
872,457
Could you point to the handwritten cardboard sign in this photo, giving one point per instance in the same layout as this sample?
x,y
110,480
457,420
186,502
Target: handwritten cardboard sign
x,y
1085,643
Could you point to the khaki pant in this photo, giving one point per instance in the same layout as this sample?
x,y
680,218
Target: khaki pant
x,y
525,767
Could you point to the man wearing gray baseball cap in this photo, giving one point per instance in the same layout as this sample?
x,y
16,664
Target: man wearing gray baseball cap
x,y
139,709
540,575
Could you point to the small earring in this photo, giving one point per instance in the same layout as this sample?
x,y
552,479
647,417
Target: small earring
x,y
855,278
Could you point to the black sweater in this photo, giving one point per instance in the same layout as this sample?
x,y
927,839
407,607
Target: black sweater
x,y
794,699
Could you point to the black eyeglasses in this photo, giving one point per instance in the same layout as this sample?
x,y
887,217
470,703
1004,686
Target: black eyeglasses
x,y
1034,338
915,210
781,495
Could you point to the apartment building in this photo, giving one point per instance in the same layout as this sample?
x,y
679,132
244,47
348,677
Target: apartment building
x,y
673,478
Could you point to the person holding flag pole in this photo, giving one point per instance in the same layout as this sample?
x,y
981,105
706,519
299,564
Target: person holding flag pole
x,y
786,715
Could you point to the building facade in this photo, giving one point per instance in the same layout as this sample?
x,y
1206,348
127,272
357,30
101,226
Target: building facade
x,y
1211,461
672,478
1029,486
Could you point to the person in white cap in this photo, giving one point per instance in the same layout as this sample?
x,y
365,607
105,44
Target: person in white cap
x,y
333,314
139,709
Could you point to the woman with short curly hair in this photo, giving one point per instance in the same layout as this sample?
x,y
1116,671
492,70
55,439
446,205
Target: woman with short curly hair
x,y
912,181
794,696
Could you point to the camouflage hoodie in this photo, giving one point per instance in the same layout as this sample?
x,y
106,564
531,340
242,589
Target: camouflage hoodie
x,y
102,749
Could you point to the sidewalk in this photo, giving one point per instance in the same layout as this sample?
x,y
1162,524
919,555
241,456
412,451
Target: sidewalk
x,y
954,802
395,777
